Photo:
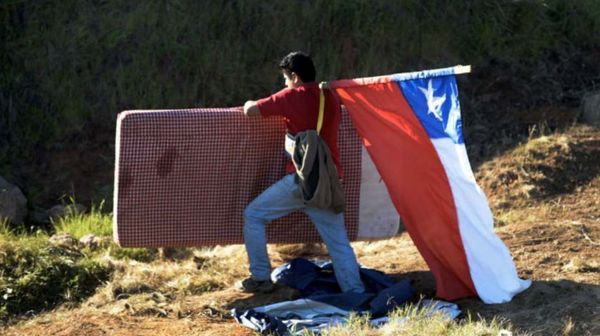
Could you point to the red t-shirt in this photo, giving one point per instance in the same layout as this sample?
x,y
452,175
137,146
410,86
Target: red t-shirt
x,y
299,108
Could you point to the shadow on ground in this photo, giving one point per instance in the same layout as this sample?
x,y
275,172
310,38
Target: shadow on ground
x,y
547,307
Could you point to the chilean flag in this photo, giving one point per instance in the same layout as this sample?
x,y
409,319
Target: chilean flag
x,y
410,124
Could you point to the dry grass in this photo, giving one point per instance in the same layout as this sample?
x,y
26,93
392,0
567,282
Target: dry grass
x,y
412,320
159,287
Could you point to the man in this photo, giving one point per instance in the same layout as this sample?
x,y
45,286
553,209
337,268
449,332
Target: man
x,y
298,104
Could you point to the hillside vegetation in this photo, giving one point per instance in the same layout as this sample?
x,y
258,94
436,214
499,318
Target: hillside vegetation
x,y
68,67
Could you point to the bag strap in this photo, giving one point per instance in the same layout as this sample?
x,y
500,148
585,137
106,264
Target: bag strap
x,y
321,107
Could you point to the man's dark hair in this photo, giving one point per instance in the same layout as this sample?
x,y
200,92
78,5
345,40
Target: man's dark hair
x,y
300,63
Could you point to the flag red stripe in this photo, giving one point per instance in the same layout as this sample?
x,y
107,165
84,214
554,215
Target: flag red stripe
x,y
344,83
415,178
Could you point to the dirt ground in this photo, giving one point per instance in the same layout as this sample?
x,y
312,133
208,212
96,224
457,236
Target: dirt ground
x,y
554,237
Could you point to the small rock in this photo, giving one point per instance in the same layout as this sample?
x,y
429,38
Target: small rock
x,y
63,240
591,108
56,212
90,240
13,204
59,211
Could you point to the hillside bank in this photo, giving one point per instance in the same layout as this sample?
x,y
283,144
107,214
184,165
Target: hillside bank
x,y
69,67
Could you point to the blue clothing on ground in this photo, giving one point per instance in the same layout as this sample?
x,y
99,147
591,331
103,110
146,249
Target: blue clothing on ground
x,y
316,280
324,304
280,199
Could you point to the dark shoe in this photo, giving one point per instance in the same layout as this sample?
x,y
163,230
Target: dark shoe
x,y
256,286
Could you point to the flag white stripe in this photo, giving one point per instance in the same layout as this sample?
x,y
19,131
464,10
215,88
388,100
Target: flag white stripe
x,y
377,216
490,264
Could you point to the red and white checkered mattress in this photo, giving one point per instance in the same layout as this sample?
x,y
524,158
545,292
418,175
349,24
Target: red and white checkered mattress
x,y
184,178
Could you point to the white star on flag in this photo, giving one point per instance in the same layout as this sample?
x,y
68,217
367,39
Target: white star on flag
x,y
434,104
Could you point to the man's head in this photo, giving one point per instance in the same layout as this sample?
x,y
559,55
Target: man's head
x,y
297,68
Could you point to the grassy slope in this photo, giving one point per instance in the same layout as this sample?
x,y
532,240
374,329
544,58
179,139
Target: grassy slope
x,y
68,67
553,233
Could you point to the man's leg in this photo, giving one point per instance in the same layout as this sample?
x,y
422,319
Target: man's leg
x,y
277,201
333,232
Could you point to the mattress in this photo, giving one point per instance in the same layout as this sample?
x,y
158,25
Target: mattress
x,y
184,177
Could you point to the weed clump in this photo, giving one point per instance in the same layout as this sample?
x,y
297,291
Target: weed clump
x,y
35,275
78,224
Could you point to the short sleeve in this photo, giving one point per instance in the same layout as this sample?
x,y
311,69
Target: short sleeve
x,y
275,104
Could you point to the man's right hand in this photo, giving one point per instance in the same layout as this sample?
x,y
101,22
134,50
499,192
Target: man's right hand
x,y
251,108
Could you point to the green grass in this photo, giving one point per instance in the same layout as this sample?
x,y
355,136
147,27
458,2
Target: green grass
x,y
79,224
98,223
413,320
138,254
35,275
5,229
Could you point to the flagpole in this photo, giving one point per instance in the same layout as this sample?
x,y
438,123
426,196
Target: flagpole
x,y
455,70
462,69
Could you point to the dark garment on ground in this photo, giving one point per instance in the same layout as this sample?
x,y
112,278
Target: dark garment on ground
x,y
317,283
316,280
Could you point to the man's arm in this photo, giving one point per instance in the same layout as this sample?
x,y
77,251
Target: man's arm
x,y
251,109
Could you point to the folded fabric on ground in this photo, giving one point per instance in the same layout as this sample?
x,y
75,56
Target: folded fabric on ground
x,y
323,305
